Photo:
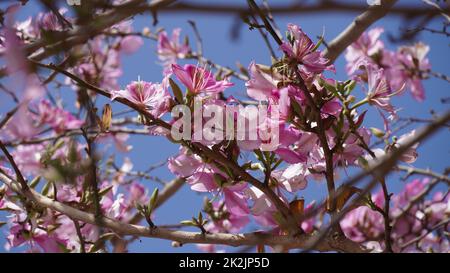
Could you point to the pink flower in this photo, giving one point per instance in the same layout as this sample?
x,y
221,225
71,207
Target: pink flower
x,y
262,209
67,193
137,193
293,178
352,147
367,45
295,146
363,223
184,164
223,221
130,43
308,225
301,48
236,200
21,126
28,157
59,119
151,96
202,181
379,92
49,21
262,85
103,68
169,50
414,59
290,156
199,80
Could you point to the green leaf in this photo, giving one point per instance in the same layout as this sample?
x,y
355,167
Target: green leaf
x,y
296,107
104,191
35,182
153,199
176,91
363,162
329,87
46,188
349,87
377,132
200,217
188,223
319,42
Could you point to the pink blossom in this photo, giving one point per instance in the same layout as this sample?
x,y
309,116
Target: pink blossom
x,y
170,49
415,62
202,181
28,157
130,43
295,146
151,96
262,209
21,126
236,200
352,147
363,223
301,48
199,80
103,68
67,193
293,178
58,118
48,21
184,164
262,85
223,221
367,45
308,225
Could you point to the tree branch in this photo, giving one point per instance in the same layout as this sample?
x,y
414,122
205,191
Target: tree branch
x,y
256,238
356,28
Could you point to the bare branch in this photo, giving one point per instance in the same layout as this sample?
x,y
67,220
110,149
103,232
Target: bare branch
x,y
356,28
256,238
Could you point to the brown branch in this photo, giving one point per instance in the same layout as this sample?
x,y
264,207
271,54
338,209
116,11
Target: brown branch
x,y
417,239
80,236
16,169
411,170
356,28
253,239
80,35
417,199
295,9
8,116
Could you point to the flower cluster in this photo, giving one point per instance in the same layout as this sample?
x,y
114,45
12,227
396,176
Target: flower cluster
x,y
418,221
405,67
49,231
249,161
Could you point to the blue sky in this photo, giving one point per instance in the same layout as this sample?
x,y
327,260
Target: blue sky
x,y
215,32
